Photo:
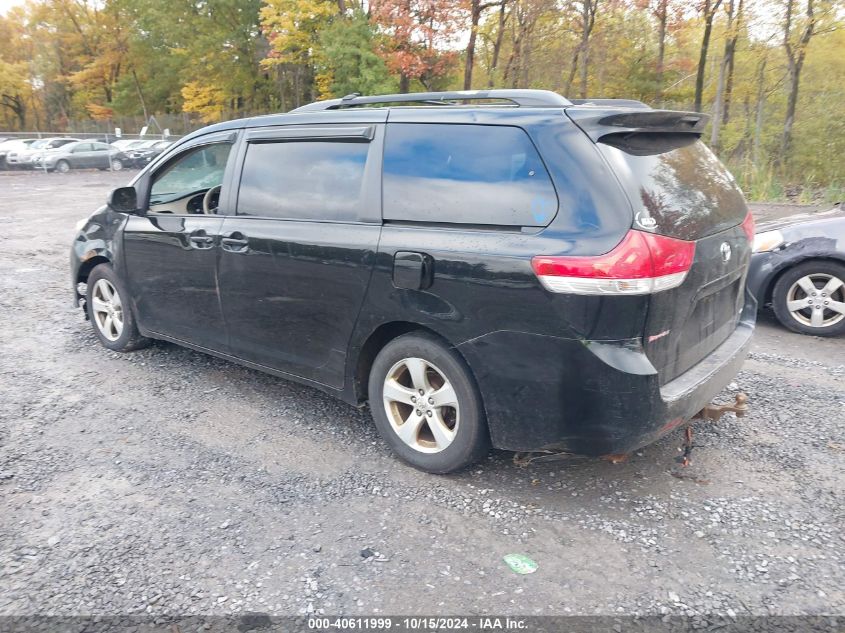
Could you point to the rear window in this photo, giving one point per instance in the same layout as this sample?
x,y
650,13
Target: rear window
x,y
683,192
465,174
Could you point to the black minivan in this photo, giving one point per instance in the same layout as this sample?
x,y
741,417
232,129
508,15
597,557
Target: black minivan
x,y
505,268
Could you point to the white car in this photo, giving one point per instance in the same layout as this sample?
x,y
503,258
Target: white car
x,y
24,157
14,145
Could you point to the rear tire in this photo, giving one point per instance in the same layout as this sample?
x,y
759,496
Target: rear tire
x,y
426,405
108,306
799,309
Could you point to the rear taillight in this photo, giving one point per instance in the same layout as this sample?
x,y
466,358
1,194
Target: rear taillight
x,y
640,264
748,226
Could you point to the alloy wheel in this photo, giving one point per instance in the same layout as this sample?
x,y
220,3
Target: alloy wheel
x,y
421,405
108,309
817,300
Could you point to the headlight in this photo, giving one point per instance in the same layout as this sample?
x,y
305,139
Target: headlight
x,y
767,241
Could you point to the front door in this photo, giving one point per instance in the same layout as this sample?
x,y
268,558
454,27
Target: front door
x,y
82,156
171,252
295,260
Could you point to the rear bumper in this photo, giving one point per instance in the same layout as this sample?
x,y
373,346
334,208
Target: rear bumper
x,y
592,397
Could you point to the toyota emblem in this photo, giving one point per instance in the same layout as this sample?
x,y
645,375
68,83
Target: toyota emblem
x,y
725,250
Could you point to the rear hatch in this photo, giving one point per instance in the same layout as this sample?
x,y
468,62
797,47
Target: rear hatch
x,y
679,189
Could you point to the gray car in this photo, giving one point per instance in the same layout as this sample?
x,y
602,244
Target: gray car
x,y
81,155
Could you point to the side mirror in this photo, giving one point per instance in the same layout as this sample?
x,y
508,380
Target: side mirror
x,y
123,200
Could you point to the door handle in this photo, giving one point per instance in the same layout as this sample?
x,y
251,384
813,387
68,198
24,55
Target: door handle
x,y
235,242
200,239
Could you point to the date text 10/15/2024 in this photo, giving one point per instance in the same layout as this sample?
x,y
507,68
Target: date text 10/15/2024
x,y
417,623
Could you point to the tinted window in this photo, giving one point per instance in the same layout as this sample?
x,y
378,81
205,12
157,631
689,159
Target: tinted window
x,y
80,147
99,147
685,191
471,174
304,180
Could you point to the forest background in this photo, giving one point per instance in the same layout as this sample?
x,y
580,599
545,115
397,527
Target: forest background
x,y
771,73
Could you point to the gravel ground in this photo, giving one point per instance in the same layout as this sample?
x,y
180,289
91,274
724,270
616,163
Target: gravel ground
x,y
169,482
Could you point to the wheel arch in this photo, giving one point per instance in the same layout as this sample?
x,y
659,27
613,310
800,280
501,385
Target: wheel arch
x,y
775,277
88,265
376,341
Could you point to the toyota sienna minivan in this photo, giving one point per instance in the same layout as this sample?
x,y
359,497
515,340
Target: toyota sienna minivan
x,y
504,268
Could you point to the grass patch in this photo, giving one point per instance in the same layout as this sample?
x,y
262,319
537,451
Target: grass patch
x,y
767,183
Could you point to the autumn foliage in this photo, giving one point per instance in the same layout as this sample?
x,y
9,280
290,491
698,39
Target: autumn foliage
x,y
769,72
420,37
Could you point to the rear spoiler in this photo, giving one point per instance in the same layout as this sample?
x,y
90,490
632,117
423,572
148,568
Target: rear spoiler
x,y
598,121
619,103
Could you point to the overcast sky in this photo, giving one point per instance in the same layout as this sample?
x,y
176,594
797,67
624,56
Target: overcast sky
x,y
5,5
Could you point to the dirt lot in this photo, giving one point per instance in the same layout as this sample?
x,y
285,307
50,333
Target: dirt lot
x,y
169,482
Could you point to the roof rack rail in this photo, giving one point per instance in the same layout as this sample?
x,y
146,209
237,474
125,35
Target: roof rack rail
x,y
524,98
619,103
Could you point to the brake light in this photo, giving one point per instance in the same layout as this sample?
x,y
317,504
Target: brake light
x,y
748,226
640,264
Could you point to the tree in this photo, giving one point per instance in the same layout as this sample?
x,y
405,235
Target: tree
x,y
525,16
587,19
347,61
477,8
796,51
13,90
420,38
731,36
292,27
708,12
497,42
208,101
662,11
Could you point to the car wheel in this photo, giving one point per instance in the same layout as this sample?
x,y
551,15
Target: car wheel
x,y
810,298
63,167
107,303
426,405
116,164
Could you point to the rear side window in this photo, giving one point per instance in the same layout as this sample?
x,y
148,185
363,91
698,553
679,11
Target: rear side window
x,y
465,174
303,180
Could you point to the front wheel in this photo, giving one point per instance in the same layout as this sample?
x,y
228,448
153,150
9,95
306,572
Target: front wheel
x,y
116,164
107,303
426,405
63,167
810,298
